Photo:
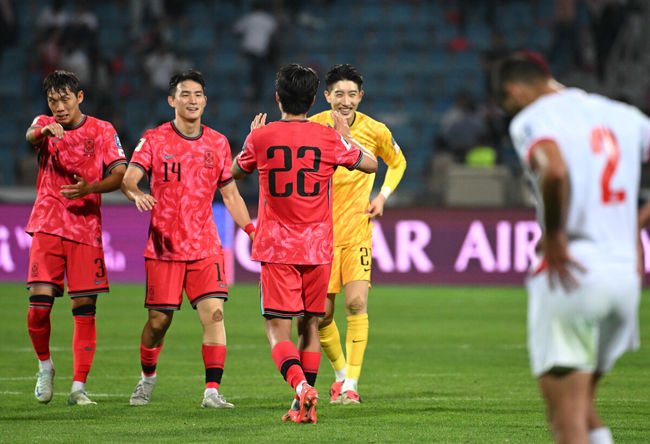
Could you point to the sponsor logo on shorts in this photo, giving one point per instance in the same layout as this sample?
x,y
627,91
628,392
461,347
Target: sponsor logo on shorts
x,y
223,285
35,269
97,282
150,292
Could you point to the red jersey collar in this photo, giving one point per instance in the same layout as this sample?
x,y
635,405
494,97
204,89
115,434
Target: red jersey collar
x,y
198,136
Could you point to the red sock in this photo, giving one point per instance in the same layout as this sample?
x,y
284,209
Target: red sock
x,y
310,362
287,361
38,324
84,341
214,357
148,359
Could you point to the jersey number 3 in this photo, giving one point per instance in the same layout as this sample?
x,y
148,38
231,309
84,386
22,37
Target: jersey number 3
x,y
603,140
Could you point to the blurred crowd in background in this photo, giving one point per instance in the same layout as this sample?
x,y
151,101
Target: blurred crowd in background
x,y
425,64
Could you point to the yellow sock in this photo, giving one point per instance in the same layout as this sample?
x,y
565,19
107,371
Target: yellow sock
x,y
330,340
355,344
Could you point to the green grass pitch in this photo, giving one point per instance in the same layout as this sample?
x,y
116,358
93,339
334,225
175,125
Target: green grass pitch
x,y
443,364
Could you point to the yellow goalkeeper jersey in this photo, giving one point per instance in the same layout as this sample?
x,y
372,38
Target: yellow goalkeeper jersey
x,y
351,189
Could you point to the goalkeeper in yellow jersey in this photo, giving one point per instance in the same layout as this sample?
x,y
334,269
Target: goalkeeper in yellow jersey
x,y
353,212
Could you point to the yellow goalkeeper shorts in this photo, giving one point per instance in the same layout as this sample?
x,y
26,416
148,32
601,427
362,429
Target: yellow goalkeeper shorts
x,y
350,263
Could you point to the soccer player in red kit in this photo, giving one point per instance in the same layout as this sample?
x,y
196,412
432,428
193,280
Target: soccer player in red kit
x,y
185,162
79,158
296,159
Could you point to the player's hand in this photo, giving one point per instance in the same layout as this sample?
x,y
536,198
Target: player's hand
x,y
341,124
77,190
376,208
251,236
144,202
560,265
258,121
640,263
53,130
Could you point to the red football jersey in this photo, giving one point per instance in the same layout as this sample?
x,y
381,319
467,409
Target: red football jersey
x,y
184,173
296,160
89,149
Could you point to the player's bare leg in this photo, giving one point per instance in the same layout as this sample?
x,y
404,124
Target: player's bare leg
x,y
84,342
287,360
598,432
151,342
568,397
330,340
41,300
356,311
211,315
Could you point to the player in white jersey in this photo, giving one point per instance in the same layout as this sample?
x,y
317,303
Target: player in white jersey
x,y
584,152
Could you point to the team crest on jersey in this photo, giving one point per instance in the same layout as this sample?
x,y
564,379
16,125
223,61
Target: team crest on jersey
x,y
208,159
89,147
35,269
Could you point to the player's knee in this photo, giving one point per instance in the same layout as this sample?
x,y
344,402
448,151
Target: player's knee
x,y
355,304
84,310
217,315
327,320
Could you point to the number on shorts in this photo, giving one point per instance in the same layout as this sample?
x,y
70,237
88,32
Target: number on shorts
x,y
102,269
602,139
365,258
218,271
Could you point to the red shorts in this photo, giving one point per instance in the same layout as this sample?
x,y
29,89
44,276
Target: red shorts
x,y
294,290
201,279
50,257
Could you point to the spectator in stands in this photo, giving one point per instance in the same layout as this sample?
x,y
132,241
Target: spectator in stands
x,y
8,24
257,30
52,18
565,53
73,58
462,127
144,12
84,25
162,64
607,18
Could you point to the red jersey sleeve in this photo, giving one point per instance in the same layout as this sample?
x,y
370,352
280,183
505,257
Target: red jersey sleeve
x,y
143,154
246,160
41,121
112,149
226,176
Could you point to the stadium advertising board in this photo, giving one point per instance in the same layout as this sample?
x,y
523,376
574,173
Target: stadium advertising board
x,y
418,246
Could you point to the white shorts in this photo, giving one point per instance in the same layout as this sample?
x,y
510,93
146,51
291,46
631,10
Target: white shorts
x,y
586,329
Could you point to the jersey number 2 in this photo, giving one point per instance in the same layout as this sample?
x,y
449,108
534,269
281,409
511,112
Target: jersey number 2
x,y
603,140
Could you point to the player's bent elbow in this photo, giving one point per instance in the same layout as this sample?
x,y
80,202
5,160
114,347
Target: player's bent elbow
x,y
368,165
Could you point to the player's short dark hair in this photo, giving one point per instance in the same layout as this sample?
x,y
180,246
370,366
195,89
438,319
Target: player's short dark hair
x,y
296,86
518,67
191,74
343,72
60,81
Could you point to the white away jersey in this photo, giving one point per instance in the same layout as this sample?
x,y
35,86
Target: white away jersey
x,y
603,143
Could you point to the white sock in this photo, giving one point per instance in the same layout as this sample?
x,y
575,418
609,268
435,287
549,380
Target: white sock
x,y
210,391
78,385
46,365
601,435
349,384
151,379
299,386
340,374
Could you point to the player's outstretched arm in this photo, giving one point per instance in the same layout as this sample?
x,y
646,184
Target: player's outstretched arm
x,y
143,201
35,133
393,178
369,162
82,187
237,208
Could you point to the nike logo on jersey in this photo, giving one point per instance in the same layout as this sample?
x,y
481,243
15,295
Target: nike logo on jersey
x,y
169,157
99,282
